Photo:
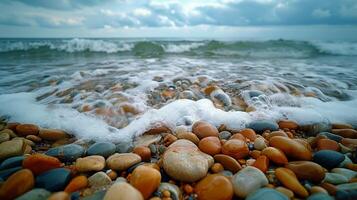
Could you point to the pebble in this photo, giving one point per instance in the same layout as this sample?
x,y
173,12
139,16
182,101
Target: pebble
x,y
39,163
15,161
331,136
52,134
76,184
203,129
124,147
335,178
289,180
169,139
224,135
307,170
123,191
184,162
248,180
288,124
99,179
146,180
27,129
327,144
54,179
67,153
347,186
228,162
349,174
214,186
99,195
328,159
11,148
249,134
346,133
276,133
266,193
259,144
90,163
59,196
346,195
236,148
275,155
262,163
143,152
210,145
263,125
173,189
34,138
188,136
4,137
35,194
17,184
291,148
104,149
122,161
4,174
286,191
320,196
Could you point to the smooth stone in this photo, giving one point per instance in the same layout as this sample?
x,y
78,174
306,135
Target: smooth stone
x,y
52,134
188,136
248,180
290,181
4,137
12,162
203,129
214,186
275,133
173,189
99,179
249,134
35,194
224,135
349,174
67,153
341,126
184,162
11,148
122,161
228,162
96,196
143,152
17,184
124,147
347,186
146,180
266,193
291,148
235,148
27,129
320,196
345,162
259,144
90,163
34,138
59,196
346,133
283,124
39,163
335,178
346,195
76,184
327,144
275,155
104,149
210,145
307,170
4,174
331,136
285,191
226,173
328,159
146,140
54,179
122,191
263,125
313,129
262,163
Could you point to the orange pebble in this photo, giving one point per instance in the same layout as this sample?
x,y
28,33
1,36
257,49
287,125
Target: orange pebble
x,y
217,167
249,133
188,189
77,183
262,163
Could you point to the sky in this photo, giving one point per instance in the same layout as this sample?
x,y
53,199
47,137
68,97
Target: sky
x,y
177,18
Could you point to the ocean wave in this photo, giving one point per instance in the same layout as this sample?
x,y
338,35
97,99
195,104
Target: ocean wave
x,y
264,49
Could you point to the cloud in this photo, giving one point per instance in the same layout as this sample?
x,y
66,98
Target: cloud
x,y
61,4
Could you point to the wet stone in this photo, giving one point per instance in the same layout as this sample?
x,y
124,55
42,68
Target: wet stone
x,y
53,180
12,162
4,174
104,149
262,125
67,153
35,194
328,159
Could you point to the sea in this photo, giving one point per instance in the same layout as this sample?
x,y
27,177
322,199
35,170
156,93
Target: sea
x,y
118,88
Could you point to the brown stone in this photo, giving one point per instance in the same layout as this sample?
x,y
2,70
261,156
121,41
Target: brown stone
x,y
146,180
306,170
188,136
228,162
262,163
76,184
90,163
291,148
289,180
26,129
327,144
169,139
34,138
347,133
235,148
214,186
39,163
203,129
276,133
17,184
275,155
249,134
238,136
53,134
210,145
288,124
143,152
122,161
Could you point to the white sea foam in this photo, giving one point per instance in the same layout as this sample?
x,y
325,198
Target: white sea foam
x,y
179,48
337,48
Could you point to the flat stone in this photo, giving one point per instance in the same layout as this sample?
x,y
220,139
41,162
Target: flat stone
x,y
39,163
67,153
328,159
52,134
4,137
248,180
262,125
26,129
307,170
54,180
214,186
12,162
35,194
291,148
266,193
122,161
346,194
347,186
90,163
11,148
290,181
104,149
331,136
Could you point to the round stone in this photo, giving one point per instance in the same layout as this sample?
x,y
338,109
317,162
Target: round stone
x,y
27,129
54,180
203,129
104,149
214,186
122,191
259,143
39,163
289,180
249,134
266,193
122,161
263,125
67,153
210,145
291,148
275,155
248,180
224,135
146,180
228,162
188,136
11,148
17,184
236,148
307,170
52,134
328,159
143,152
175,191
90,163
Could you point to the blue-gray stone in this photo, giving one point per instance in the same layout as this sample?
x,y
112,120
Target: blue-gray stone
x,y
35,194
320,196
124,147
224,135
346,195
12,162
328,159
104,149
266,193
347,186
67,153
335,178
75,195
54,180
331,136
263,125
96,196
4,174
226,173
